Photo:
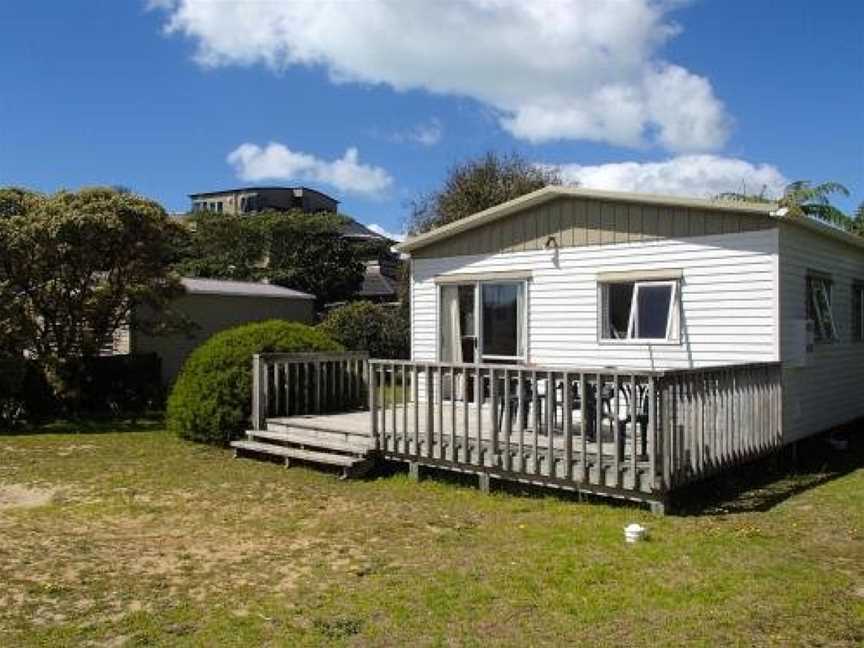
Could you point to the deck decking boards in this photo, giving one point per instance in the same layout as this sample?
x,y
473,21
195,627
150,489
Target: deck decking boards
x,y
552,464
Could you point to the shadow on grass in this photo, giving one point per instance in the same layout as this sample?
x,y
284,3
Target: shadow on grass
x,y
755,487
149,422
762,485
386,469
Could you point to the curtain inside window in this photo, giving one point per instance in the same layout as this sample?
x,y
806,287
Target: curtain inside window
x,y
451,330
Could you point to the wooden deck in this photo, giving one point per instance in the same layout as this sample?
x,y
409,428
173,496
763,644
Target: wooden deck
x,y
622,433
474,448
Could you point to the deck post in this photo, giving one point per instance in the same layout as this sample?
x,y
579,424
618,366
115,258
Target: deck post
x,y
414,471
258,393
373,404
485,482
430,413
660,507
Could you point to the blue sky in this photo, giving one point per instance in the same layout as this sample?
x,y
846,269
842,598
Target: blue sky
x,y
372,103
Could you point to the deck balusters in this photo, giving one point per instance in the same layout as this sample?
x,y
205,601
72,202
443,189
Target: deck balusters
x,y
508,424
680,425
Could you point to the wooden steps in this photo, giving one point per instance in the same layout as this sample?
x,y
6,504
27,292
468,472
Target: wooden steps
x,y
352,453
313,438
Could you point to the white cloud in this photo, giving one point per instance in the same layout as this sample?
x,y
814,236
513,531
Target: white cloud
x,y
277,162
428,133
698,176
574,69
375,227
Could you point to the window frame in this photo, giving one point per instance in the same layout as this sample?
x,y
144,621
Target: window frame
x,y
816,311
479,356
673,318
857,308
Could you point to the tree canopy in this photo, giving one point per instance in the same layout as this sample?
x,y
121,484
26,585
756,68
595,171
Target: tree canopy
x,y
74,264
291,249
477,184
802,199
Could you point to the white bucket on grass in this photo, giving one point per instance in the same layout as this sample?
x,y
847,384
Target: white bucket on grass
x,y
634,533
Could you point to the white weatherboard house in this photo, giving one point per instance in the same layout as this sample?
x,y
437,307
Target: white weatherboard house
x,y
615,343
569,277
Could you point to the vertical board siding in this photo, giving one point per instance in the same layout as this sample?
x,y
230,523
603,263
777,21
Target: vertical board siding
x,y
827,391
576,222
728,298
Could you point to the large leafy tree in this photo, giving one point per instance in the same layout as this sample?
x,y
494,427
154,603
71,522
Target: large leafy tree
x,y
224,246
477,184
73,266
293,249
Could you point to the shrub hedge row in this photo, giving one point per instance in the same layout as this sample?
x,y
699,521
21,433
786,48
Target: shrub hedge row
x,y
110,385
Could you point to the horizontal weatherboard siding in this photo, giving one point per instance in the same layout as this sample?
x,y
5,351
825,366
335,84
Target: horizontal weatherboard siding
x,y
828,390
728,298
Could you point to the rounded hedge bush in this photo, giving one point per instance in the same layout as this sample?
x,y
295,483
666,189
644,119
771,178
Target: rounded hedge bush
x,y
211,399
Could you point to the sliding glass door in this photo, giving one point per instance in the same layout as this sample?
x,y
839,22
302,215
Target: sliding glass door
x,y
482,321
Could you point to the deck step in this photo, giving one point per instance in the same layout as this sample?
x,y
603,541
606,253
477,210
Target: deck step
x,y
328,458
315,439
300,423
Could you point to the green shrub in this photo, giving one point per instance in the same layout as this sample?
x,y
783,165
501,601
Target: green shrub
x,y
382,330
25,395
211,399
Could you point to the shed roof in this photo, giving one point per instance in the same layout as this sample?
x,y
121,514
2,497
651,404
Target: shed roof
x,y
551,192
196,286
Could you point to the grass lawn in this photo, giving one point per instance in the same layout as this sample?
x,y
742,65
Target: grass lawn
x,y
135,538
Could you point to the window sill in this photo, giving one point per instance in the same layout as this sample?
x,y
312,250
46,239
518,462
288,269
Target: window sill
x,y
656,342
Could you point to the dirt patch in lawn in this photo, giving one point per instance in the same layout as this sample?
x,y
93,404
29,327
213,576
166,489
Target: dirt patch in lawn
x,y
20,496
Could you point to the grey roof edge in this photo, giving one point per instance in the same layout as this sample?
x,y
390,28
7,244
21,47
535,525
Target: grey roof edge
x,y
241,289
821,228
553,191
262,188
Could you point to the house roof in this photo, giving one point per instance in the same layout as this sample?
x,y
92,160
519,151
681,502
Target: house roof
x,y
554,191
354,230
196,286
376,283
262,188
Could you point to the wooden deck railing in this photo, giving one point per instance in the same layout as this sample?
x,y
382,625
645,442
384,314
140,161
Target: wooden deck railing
x,y
619,430
630,430
570,425
289,384
718,417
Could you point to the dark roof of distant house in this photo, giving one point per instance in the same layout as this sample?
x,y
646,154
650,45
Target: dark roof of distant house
x,y
196,286
377,284
353,229
261,188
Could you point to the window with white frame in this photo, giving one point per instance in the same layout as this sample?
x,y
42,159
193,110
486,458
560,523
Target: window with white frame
x,y
819,308
644,311
858,311
482,321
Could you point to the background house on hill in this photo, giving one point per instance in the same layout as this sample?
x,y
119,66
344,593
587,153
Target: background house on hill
x,y
381,280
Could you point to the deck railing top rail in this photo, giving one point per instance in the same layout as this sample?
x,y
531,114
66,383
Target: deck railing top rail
x,y
605,370
473,366
308,356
